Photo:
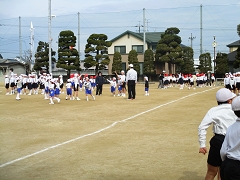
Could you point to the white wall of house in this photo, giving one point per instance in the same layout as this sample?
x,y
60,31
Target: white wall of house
x,y
127,40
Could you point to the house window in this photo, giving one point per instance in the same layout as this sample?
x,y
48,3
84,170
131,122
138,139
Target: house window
x,y
154,47
121,49
138,48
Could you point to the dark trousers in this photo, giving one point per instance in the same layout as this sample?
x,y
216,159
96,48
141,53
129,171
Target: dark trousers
x,y
131,89
230,169
99,89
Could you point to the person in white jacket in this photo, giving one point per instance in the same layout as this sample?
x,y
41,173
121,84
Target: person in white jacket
x,y
230,151
220,117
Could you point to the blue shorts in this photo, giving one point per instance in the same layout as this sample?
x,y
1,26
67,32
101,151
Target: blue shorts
x,y
57,91
19,90
69,91
52,93
88,91
46,90
119,88
113,89
146,89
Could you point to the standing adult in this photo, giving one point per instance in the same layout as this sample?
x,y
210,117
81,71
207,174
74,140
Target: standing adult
x,y
99,83
131,80
230,151
221,117
161,76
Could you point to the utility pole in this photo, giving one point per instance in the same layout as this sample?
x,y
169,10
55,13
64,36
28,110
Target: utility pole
x,y
191,39
214,44
49,36
20,39
79,37
201,29
144,31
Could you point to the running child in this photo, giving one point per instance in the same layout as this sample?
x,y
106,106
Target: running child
x,y
88,88
113,84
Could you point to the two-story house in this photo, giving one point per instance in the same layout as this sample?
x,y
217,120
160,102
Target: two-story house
x,y
128,41
232,54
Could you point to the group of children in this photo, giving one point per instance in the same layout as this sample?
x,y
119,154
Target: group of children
x,y
188,80
50,87
232,82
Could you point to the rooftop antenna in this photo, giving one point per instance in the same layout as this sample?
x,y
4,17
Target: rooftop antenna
x,y
139,26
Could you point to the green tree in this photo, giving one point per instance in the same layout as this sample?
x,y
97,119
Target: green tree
x,y
117,62
148,65
205,62
42,56
132,59
169,49
236,63
68,56
96,51
221,64
188,61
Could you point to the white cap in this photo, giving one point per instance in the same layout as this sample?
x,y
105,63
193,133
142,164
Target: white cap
x,y
131,65
224,94
236,104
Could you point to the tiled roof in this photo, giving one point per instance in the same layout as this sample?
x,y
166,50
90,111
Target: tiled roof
x,y
151,37
234,44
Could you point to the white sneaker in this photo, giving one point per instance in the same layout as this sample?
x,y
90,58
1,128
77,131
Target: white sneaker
x,y
51,103
78,99
18,98
94,98
59,100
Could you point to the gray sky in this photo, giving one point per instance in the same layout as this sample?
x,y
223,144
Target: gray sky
x,y
113,17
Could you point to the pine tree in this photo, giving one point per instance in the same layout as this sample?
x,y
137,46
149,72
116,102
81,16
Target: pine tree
x,y
68,56
148,65
205,63
96,52
188,61
169,49
42,56
132,59
117,62
221,64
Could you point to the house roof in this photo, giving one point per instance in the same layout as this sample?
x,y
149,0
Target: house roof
x,y
151,37
234,44
232,56
12,61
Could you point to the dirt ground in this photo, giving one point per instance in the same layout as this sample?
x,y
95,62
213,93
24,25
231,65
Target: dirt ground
x,y
150,138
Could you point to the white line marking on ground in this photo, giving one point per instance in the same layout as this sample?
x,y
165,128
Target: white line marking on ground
x,y
100,130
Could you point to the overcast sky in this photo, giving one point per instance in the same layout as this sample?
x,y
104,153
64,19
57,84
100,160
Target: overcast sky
x,y
113,17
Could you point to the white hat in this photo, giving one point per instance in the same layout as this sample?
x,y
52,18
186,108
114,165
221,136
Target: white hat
x,y
236,104
224,94
131,65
